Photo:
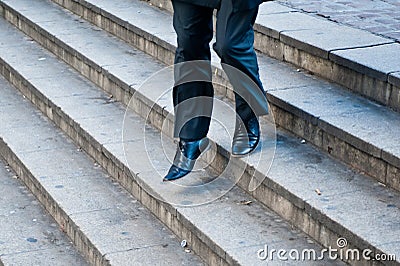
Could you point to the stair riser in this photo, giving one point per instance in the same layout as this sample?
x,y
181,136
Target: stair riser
x,y
80,241
158,49
272,196
370,87
312,130
363,156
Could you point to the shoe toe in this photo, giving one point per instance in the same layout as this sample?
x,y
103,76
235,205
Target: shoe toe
x,y
175,173
185,157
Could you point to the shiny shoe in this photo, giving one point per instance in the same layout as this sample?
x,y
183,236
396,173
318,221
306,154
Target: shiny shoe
x,y
246,137
186,155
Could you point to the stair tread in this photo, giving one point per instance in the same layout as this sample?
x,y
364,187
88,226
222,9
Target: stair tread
x,y
111,218
29,234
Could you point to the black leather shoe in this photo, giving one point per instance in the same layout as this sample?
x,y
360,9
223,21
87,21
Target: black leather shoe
x,y
246,137
186,155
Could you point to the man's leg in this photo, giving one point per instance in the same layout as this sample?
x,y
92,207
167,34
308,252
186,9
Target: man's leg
x,y
193,25
193,91
234,45
235,38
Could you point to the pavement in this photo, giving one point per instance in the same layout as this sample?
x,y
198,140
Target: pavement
x,y
380,17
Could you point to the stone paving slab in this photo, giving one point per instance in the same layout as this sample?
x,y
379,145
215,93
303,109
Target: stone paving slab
x,y
379,17
29,235
319,36
322,41
375,61
273,8
289,147
315,35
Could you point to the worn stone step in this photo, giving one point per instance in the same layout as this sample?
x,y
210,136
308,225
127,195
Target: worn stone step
x,y
105,223
289,189
29,235
349,127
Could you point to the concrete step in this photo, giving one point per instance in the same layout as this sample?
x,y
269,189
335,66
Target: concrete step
x,y
29,235
105,223
357,131
289,189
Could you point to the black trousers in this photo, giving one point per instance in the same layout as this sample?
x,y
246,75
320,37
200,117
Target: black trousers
x,y
234,45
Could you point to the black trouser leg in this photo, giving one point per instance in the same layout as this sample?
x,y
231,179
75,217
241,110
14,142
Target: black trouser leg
x,y
234,45
192,96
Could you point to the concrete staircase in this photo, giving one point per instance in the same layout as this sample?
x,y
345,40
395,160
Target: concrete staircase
x,y
333,173
106,224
